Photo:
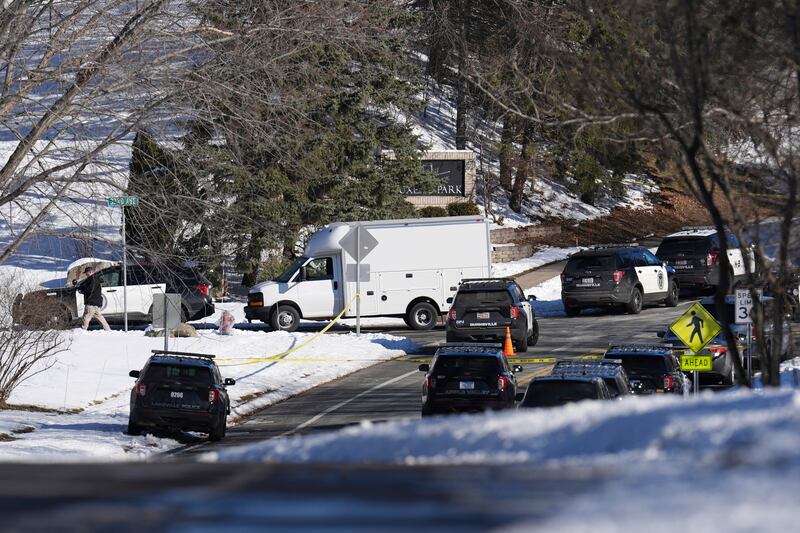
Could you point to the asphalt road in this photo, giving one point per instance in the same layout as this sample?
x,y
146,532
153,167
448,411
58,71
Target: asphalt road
x,y
392,390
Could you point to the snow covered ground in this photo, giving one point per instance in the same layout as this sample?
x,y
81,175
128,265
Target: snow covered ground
x,y
542,257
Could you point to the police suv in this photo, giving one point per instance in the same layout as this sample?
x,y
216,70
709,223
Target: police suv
x,y
617,276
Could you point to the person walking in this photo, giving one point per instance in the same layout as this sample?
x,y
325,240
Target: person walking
x,y
91,288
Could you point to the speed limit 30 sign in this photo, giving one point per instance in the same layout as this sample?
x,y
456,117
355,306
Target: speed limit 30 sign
x,y
744,305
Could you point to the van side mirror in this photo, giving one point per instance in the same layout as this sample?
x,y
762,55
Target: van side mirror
x,y
228,382
532,297
450,300
134,374
424,367
519,396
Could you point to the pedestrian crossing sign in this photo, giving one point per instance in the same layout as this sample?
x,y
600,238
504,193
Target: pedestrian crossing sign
x,y
696,327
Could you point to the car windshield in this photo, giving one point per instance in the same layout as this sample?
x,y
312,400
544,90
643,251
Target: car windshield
x,y
553,393
686,245
647,364
289,272
482,298
450,366
188,373
592,262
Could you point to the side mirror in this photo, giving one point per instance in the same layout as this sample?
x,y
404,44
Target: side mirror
x,y
532,297
450,300
134,373
661,333
228,382
517,368
519,396
424,367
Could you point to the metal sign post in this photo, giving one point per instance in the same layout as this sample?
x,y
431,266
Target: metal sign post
x,y
358,243
121,202
166,328
744,315
358,280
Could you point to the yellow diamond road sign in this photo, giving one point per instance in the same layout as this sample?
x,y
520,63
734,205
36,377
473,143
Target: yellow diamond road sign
x,y
696,327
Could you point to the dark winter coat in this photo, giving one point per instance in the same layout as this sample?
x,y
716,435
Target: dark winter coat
x,y
91,289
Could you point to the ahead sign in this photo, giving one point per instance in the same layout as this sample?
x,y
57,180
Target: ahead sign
x,y
744,305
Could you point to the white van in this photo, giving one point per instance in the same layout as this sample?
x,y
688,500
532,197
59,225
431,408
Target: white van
x,y
414,268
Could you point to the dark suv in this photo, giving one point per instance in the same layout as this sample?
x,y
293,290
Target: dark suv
x,y
650,368
616,276
482,309
610,370
560,389
468,377
694,254
180,390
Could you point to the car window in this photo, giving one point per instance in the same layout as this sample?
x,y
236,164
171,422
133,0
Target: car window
x,y
482,298
466,365
638,364
192,374
111,277
650,258
517,293
319,269
592,262
733,242
639,259
685,245
553,393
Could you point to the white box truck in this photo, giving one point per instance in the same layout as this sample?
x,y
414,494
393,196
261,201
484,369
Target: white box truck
x,y
414,266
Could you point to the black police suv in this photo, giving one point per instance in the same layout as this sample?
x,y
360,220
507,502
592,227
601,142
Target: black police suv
x,y
468,377
616,276
63,306
610,370
482,309
651,368
694,254
180,390
561,389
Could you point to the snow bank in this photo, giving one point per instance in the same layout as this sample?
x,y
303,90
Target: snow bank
x,y
544,256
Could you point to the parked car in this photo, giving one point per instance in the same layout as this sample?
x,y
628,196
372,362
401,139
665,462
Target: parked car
x,y
627,277
180,391
610,370
651,368
63,306
468,377
694,254
482,309
560,389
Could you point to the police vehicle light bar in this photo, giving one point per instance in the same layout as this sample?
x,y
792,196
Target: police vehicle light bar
x,y
184,354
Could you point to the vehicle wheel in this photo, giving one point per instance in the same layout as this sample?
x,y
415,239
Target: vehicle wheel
x,y
218,432
672,295
427,411
422,315
572,311
133,428
286,318
634,306
521,345
534,338
449,337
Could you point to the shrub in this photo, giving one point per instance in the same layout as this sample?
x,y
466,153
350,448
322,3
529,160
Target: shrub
x,y
432,211
462,208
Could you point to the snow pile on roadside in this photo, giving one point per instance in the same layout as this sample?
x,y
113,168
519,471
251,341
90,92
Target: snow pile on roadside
x,y
548,298
92,377
544,256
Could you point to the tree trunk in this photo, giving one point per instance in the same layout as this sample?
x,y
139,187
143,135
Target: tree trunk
x,y
506,152
461,83
523,167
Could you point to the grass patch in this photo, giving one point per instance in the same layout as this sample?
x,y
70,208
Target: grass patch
x,y
23,430
39,409
5,437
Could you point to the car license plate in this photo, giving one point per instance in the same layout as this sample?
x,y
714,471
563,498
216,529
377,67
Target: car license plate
x,y
466,385
587,281
681,262
483,316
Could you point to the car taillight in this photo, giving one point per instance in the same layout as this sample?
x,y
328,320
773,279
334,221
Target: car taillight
x,y
141,389
451,314
503,383
430,381
617,276
711,259
213,395
668,382
563,277
203,289
514,312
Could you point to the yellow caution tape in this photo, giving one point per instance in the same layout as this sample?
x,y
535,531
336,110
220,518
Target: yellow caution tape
x,y
282,355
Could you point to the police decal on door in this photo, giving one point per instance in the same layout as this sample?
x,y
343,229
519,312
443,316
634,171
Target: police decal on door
x,y
660,279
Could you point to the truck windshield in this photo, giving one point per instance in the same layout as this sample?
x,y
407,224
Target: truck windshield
x,y
289,272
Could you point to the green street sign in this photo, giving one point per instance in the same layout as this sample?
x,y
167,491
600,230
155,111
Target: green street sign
x,y
123,201
696,363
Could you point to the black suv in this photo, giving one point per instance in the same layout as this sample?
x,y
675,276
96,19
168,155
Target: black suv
x,y
468,377
610,370
650,368
60,306
560,389
482,309
616,276
180,390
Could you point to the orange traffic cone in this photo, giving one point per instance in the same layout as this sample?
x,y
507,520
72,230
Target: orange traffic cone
x,y
508,345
